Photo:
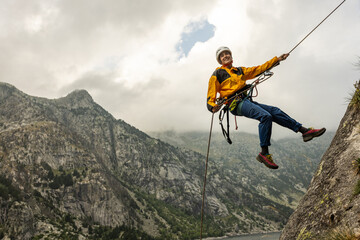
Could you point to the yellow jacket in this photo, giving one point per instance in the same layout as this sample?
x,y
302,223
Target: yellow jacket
x,y
227,81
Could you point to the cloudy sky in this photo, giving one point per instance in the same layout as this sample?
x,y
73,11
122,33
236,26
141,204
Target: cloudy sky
x,y
148,62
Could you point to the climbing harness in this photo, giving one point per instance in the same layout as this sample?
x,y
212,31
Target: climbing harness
x,y
231,103
261,78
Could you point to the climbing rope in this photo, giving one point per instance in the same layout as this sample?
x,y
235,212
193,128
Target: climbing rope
x,y
263,77
206,166
317,26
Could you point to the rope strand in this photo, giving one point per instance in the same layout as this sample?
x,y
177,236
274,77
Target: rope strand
x,y
317,26
206,166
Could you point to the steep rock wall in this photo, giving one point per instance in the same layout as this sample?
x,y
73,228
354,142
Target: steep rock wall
x,y
332,201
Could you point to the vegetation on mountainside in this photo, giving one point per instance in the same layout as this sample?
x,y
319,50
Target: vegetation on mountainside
x,y
179,223
355,98
2,233
7,190
355,101
340,233
64,226
119,232
69,231
357,188
356,164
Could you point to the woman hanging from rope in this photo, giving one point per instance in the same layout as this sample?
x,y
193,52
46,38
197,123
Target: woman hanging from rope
x,y
228,80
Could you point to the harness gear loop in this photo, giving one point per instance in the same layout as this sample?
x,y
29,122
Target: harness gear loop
x,y
225,111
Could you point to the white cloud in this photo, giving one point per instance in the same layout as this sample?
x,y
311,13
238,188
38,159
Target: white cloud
x,y
124,53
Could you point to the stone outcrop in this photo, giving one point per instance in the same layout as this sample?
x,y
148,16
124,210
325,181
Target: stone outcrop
x,y
332,202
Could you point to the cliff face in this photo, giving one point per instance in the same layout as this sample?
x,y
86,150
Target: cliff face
x,y
331,205
297,160
67,165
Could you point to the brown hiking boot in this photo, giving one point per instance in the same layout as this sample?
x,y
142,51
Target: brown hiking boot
x,y
267,160
313,133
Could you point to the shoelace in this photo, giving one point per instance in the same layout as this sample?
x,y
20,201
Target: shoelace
x,y
269,156
309,129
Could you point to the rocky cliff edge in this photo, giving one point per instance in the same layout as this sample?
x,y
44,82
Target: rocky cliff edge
x,y
331,205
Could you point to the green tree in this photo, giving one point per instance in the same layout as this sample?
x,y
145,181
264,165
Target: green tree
x,y
50,175
67,180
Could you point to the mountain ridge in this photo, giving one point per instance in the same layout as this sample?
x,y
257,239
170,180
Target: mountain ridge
x,y
100,175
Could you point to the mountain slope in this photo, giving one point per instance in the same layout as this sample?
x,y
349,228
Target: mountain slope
x,y
69,169
297,161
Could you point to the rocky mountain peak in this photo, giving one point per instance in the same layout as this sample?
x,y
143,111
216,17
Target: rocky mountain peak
x,y
78,99
7,90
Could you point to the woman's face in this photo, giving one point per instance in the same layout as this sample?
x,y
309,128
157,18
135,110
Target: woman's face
x,y
225,58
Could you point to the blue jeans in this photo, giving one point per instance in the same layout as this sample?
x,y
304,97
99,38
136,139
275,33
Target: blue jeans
x,y
266,115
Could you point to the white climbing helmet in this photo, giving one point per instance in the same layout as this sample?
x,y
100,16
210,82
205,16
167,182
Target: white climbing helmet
x,y
219,51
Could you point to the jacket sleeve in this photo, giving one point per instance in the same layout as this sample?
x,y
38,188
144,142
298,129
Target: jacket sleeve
x,y
252,72
213,88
